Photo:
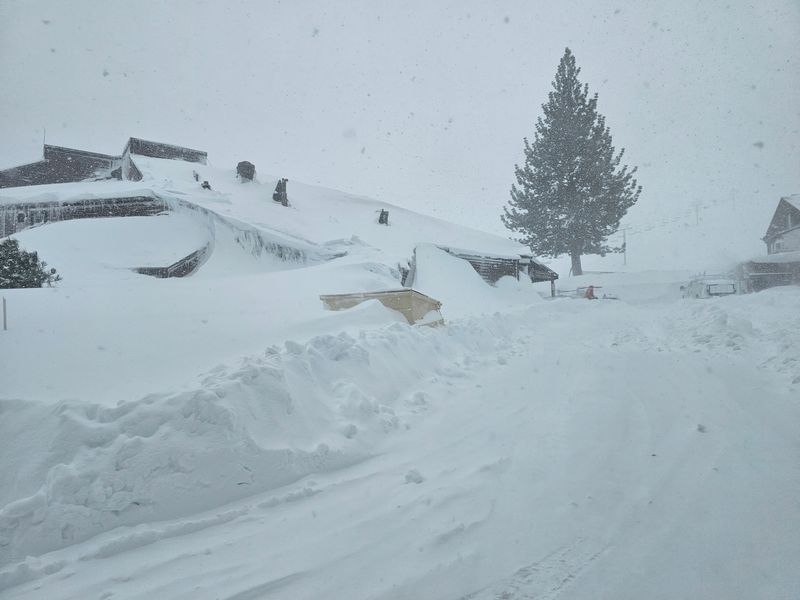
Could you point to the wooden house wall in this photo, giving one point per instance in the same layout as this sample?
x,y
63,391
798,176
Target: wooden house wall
x,y
760,276
182,268
786,241
492,269
20,216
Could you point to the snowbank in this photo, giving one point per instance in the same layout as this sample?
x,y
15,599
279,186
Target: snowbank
x,y
498,463
102,250
84,468
81,468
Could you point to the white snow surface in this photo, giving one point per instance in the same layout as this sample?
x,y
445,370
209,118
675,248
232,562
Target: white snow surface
x,y
779,257
223,436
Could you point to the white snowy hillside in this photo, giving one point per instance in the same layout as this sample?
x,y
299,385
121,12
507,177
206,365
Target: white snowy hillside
x,y
222,435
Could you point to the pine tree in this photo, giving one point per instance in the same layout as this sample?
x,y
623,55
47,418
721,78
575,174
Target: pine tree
x,y
21,269
571,192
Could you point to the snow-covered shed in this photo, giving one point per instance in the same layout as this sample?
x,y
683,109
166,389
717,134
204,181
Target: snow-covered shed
x,y
492,266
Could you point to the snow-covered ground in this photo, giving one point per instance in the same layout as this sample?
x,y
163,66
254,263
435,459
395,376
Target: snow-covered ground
x,y
223,436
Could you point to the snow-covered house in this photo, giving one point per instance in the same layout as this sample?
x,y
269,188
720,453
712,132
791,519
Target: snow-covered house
x,y
67,166
64,165
781,265
491,267
18,216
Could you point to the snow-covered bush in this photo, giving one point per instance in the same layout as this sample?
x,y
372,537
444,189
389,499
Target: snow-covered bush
x,y
22,269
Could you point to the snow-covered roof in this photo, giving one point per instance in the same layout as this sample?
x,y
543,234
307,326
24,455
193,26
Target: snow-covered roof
x,y
778,257
716,281
316,214
794,200
68,192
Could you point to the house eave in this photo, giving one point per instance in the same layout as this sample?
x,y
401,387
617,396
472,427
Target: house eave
x,y
771,237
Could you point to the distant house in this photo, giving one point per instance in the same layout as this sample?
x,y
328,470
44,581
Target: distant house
x,y
781,265
783,233
64,165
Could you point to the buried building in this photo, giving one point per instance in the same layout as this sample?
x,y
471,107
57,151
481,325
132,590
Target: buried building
x,y
492,266
65,165
68,165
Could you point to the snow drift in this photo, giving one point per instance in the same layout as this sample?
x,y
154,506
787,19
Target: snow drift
x,y
298,410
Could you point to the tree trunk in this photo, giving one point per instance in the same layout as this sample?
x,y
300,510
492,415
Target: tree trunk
x,y
576,265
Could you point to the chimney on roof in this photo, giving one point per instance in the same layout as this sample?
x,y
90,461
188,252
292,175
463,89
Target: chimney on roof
x,y
246,171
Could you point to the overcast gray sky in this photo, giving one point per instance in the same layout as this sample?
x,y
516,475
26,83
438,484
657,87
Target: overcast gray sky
x,y
418,103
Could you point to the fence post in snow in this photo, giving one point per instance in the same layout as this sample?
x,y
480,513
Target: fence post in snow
x,y
5,326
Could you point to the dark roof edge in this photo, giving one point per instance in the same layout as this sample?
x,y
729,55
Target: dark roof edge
x,y
167,145
77,151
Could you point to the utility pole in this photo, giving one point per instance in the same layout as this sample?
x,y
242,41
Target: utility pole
x,y
696,205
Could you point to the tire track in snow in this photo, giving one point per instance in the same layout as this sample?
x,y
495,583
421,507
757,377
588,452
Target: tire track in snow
x,y
546,578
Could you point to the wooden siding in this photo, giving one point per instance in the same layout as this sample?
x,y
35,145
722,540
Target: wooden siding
x,y
492,268
159,150
762,275
23,215
182,268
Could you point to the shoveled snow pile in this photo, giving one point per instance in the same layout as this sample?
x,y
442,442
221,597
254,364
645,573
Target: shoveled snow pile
x,y
85,468
96,250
